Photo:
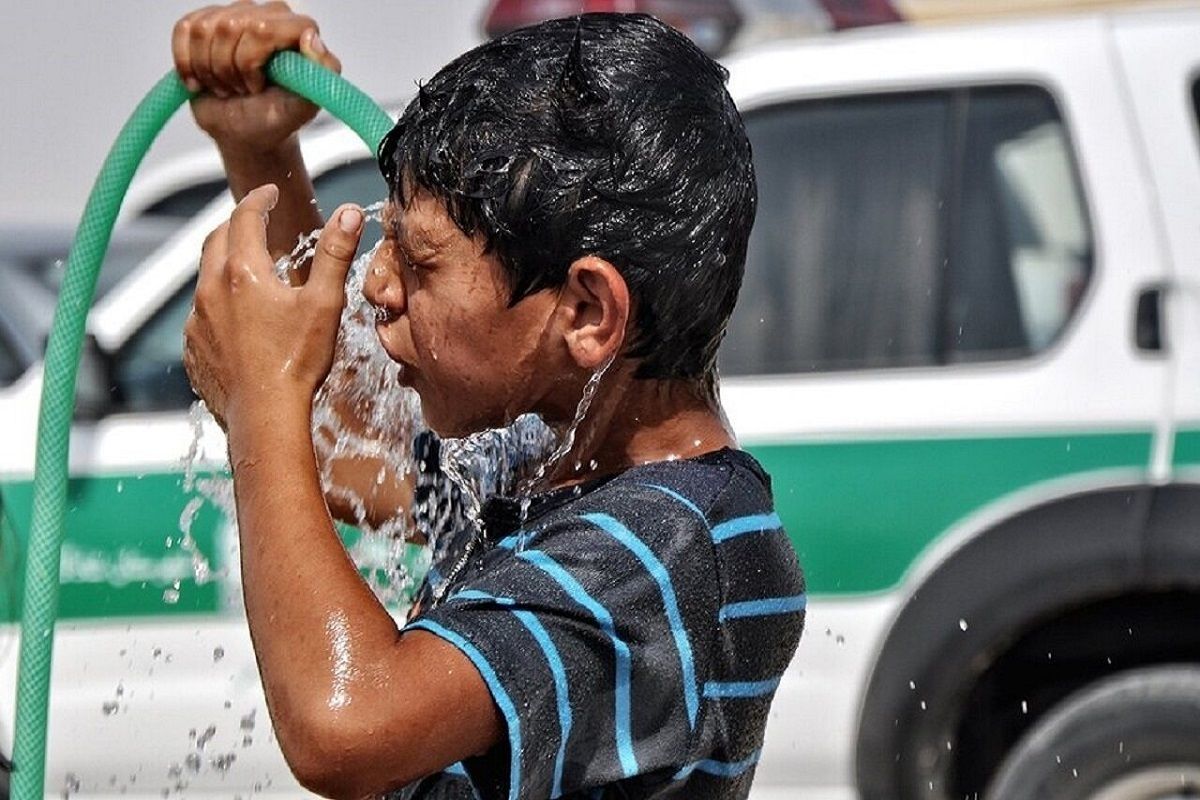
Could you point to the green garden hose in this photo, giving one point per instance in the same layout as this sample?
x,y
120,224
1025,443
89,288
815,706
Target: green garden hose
x,y
40,604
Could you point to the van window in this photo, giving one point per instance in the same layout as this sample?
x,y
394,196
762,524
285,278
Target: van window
x,y
1196,101
913,229
11,366
148,372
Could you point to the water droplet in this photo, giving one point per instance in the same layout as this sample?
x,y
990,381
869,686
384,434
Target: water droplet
x,y
1024,706
193,762
962,624
223,762
218,653
110,707
170,596
912,685
923,706
203,739
247,722
120,486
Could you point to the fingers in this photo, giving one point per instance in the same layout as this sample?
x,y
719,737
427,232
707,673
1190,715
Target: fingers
x,y
212,259
222,49
181,47
335,252
248,230
222,60
313,48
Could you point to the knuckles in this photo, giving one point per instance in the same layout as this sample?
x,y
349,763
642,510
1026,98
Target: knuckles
x,y
229,26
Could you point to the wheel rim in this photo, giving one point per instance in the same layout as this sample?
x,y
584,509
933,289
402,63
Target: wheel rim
x,y
1163,782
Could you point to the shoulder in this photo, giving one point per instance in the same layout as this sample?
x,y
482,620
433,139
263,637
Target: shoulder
x,y
710,488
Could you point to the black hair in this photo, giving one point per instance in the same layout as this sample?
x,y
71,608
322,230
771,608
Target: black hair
x,y
604,134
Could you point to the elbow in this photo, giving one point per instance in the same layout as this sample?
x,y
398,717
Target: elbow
x,y
339,755
324,775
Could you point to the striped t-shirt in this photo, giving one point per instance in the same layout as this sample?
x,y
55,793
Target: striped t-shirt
x,y
632,632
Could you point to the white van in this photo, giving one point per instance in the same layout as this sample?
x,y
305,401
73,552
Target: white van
x,y
967,349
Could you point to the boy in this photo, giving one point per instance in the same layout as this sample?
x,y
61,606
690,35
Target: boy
x,y
569,207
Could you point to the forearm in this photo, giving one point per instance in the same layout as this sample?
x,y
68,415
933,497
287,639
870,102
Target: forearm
x,y
329,654
368,491
296,213
318,631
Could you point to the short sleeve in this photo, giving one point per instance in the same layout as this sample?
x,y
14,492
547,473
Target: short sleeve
x,y
592,634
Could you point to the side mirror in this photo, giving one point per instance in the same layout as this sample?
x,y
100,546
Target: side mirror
x,y
94,389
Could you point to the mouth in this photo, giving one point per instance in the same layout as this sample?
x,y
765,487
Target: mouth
x,y
384,316
405,374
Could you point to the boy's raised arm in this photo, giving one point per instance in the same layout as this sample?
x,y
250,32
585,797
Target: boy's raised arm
x,y
220,52
358,709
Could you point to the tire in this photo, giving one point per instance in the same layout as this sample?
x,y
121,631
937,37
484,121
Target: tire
x,y
1132,736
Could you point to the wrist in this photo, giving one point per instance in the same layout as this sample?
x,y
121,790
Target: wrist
x,y
253,426
243,154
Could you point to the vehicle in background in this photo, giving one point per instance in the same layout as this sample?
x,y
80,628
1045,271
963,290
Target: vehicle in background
x,y
965,349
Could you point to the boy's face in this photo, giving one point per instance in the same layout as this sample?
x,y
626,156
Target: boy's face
x,y
442,313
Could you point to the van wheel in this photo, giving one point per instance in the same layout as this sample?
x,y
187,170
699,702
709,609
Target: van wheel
x,y
1133,736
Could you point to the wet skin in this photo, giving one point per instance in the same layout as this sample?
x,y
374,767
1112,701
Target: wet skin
x,y
358,707
443,313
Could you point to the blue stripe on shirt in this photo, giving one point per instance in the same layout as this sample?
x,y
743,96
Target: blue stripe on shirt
x,y
557,670
623,713
763,607
755,523
677,496
515,541
722,769
740,688
503,701
667,590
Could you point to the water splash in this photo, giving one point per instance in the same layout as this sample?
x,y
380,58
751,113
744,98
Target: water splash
x,y
566,442
361,414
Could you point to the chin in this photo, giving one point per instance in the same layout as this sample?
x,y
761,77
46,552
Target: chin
x,y
449,425
446,426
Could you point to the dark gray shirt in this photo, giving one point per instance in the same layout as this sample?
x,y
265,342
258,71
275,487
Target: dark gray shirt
x,y
631,630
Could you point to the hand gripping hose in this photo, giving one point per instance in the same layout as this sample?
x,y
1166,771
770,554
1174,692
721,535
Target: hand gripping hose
x,y
40,605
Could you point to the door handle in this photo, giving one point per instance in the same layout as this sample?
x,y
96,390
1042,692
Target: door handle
x,y
1148,318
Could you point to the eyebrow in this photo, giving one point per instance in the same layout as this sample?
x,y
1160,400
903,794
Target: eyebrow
x,y
415,240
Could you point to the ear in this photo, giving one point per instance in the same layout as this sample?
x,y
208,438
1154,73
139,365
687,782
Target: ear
x,y
594,308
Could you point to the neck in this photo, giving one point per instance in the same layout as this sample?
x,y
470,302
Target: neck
x,y
632,422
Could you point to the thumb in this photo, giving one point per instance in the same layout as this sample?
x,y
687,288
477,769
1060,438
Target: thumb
x,y
335,251
312,47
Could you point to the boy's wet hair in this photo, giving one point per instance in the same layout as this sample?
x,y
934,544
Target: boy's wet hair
x,y
603,134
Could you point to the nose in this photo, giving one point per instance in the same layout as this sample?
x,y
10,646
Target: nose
x,y
383,287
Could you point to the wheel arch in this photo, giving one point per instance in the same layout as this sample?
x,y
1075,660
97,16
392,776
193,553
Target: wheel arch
x,y
984,588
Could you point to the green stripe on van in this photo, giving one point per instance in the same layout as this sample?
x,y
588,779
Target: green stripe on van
x,y
121,552
116,562
860,512
1187,448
